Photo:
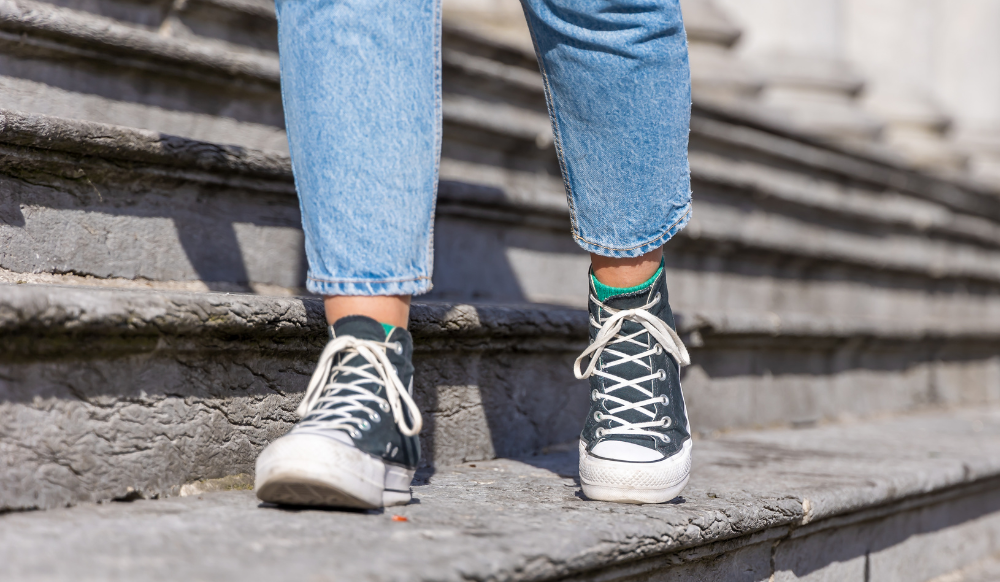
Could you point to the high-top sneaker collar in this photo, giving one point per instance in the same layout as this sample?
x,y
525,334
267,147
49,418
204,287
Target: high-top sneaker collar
x,y
635,299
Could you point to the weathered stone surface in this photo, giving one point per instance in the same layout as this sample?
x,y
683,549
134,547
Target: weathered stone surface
x,y
752,498
106,392
103,390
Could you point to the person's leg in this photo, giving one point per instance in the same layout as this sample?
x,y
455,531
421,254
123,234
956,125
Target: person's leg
x,y
617,80
360,84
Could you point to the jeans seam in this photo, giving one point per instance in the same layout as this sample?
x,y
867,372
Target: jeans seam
x,y
438,131
554,120
651,241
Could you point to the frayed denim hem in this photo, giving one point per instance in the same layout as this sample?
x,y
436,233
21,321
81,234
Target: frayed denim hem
x,y
416,286
679,220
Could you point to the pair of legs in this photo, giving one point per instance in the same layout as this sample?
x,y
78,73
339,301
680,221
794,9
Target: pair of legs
x,y
361,83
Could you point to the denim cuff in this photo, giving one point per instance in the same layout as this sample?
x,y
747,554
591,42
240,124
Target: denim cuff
x,y
678,221
416,286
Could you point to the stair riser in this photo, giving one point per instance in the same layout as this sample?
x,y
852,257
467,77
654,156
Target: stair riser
x,y
759,385
87,430
197,108
913,544
152,227
86,417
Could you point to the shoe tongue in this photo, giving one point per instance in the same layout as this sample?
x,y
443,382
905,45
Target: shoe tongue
x,y
359,326
629,300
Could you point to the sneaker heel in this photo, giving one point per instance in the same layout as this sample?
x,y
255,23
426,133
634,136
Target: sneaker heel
x,y
390,498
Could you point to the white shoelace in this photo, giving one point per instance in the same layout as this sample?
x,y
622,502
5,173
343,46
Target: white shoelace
x,y
345,398
608,335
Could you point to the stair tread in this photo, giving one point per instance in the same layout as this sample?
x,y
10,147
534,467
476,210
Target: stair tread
x,y
524,519
45,309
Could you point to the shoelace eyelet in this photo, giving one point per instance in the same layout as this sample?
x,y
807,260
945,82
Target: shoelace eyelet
x,y
667,422
364,425
597,416
661,374
354,434
664,438
658,349
593,395
665,400
384,407
374,416
398,348
599,433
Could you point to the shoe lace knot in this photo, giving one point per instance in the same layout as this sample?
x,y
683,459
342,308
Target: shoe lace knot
x,y
329,402
608,335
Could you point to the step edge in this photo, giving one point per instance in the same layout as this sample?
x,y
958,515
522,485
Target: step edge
x,y
44,310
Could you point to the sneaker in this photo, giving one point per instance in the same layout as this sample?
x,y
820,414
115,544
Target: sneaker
x,y
356,444
636,444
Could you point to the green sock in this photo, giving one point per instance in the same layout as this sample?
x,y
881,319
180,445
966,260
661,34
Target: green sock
x,y
606,291
388,328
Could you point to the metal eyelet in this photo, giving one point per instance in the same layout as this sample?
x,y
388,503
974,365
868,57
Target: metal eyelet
x,y
365,425
656,298
667,422
398,348
661,374
664,438
593,394
354,434
384,406
597,416
599,432
374,416
664,400
658,349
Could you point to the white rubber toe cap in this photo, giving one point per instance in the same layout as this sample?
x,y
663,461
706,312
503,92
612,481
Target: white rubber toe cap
x,y
623,451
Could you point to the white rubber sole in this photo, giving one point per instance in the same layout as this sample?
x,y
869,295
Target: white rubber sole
x,y
311,469
624,482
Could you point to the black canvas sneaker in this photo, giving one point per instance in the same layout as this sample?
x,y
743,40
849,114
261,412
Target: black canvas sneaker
x,y
356,445
636,444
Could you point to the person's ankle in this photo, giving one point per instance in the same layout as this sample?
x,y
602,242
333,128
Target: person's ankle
x,y
626,272
391,310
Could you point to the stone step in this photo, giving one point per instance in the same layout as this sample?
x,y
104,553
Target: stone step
x,y
909,499
77,64
107,392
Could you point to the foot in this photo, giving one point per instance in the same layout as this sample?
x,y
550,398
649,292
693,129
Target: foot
x,y
356,444
636,444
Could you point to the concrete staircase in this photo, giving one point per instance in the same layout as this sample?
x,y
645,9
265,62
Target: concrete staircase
x,y
154,336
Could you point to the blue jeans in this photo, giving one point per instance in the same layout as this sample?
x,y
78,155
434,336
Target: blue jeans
x,y
361,84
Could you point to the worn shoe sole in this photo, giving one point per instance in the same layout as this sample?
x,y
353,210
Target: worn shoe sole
x,y
624,482
310,469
